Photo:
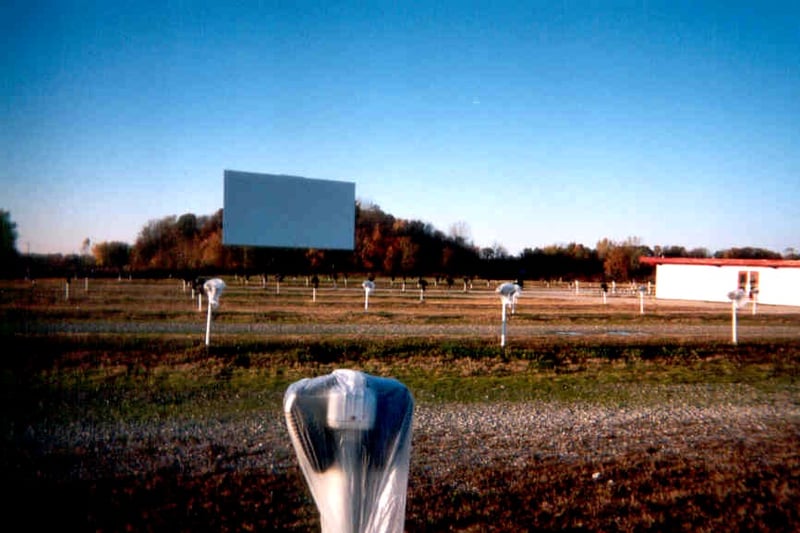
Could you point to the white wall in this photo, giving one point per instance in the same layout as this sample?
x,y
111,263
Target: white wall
x,y
777,286
695,282
780,286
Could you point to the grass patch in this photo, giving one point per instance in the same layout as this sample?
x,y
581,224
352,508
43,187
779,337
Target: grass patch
x,y
151,377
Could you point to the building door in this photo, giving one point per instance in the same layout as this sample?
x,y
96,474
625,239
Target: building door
x,y
753,288
748,282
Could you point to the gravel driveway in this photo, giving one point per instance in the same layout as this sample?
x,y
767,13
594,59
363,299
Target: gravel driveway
x,y
446,437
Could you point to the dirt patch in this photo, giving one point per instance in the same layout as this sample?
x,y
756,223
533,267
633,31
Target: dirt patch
x,y
485,467
694,463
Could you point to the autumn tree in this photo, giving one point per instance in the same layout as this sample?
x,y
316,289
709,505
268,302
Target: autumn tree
x,y
315,259
393,260
603,247
409,256
185,243
449,260
156,245
112,255
210,251
621,261
372,228
618,263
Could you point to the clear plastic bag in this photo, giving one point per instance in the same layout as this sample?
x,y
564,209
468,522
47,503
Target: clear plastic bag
x,y
213,289
352,435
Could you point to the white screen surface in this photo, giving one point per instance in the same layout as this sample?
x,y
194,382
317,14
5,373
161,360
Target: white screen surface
x,y
288,211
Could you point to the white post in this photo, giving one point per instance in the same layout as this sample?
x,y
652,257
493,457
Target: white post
x,y
199,301
208,324
422,295
641,302
604,297
577,287
733,322
366,299
66,290
277,287
314,294
503,328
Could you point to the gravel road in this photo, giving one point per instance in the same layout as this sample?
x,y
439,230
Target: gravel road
x,y
446,437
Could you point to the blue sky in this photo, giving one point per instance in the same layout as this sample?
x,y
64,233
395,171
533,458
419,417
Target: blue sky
x,y
534,123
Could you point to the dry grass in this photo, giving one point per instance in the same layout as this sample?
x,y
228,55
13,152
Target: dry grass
x,y
130,354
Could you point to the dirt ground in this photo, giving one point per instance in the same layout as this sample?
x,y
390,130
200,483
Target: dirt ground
x,y
525,466
720,482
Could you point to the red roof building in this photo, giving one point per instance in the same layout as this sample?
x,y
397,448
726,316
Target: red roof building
x,y
767,281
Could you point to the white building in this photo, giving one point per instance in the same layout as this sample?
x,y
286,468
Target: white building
x,y
769,281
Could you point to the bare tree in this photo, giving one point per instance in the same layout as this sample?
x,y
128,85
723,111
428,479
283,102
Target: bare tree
x,y
460,232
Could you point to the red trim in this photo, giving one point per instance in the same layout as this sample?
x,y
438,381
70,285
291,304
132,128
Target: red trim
x,y
709,261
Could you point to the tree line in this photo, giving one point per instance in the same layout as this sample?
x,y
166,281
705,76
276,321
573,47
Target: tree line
x,y
190,245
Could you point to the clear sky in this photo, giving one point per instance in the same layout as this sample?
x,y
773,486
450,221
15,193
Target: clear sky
x,y
534,123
